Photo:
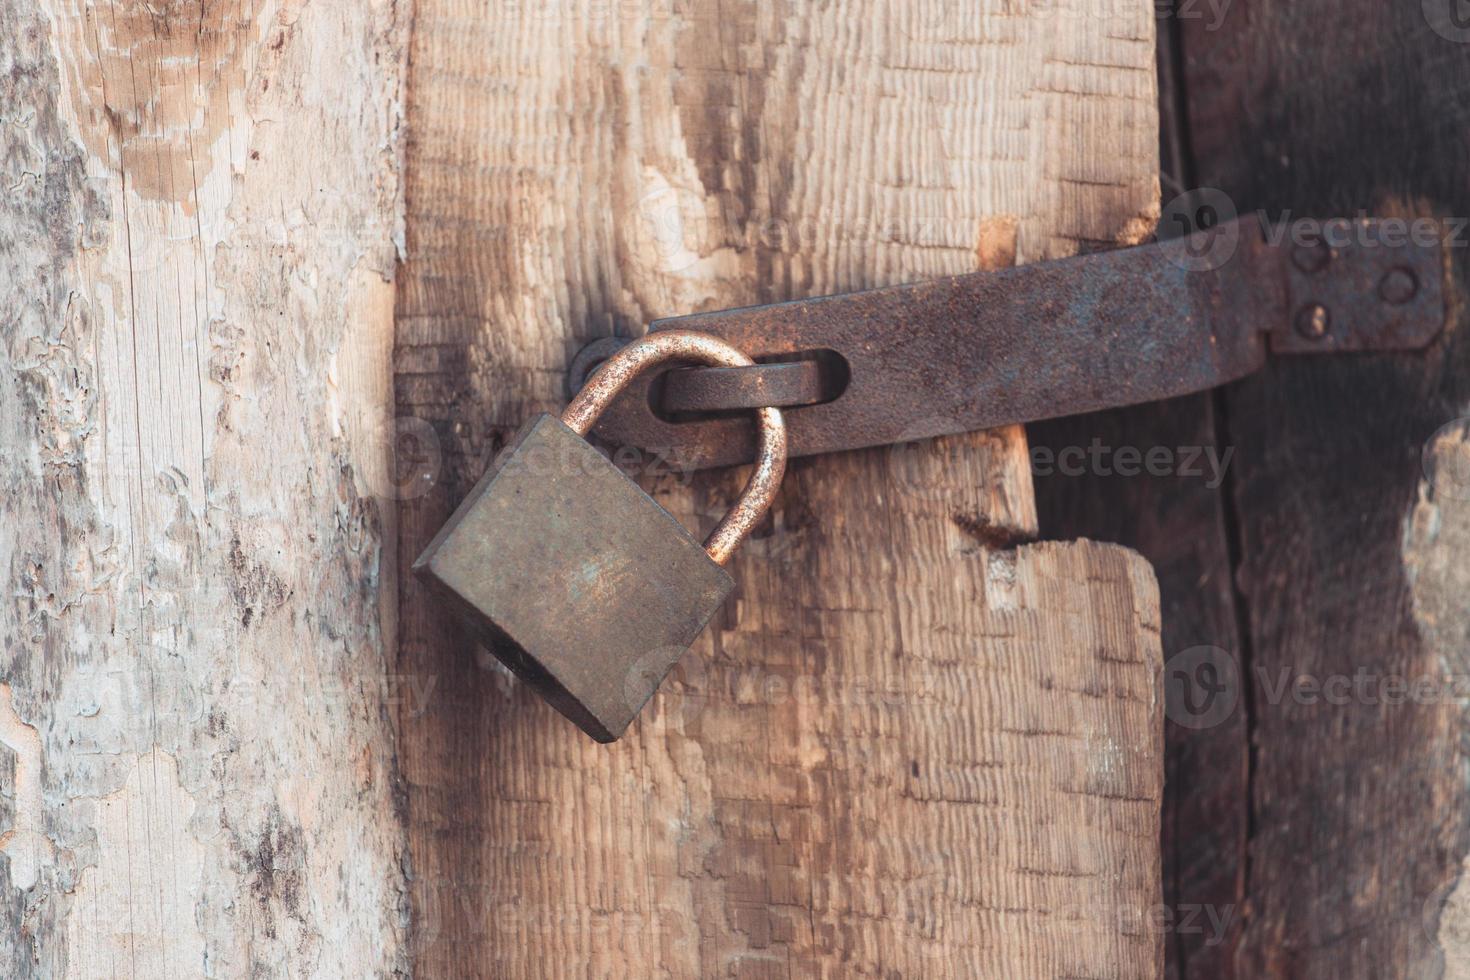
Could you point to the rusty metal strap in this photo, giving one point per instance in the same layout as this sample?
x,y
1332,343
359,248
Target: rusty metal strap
x,y
784,384
1040,341
789,384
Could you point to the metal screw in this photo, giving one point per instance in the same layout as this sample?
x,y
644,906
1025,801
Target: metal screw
x,y
1313,321
1311,258
1398,286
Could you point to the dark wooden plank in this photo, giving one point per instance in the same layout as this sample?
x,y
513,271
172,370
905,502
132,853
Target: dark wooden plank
x,y
1348,556
1351,561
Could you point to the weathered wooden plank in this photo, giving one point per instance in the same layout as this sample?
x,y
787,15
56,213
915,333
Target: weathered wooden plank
x,y
196,252
907,747
1176,518
1353,515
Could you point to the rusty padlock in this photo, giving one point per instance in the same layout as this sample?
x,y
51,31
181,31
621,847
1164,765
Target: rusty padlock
x,y
577,580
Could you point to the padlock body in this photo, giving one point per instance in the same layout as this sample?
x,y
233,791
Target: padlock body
x,y
577,580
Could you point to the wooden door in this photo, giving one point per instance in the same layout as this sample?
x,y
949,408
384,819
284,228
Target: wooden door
x,y
915,743
1325,819
280,277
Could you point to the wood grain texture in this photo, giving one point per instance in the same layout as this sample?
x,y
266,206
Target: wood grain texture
x,y
196,252
1177,521
1182,521
1350,483
905,748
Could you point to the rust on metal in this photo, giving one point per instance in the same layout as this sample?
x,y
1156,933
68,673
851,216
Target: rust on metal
x,y
577,580
789,384
1056,338
783,384
574,577
637,360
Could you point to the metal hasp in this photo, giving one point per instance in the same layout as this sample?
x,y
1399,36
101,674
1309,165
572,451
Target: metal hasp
x,y
1039,341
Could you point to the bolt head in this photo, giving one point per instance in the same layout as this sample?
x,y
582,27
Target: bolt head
x,y
1398,286
1311,257
1313,321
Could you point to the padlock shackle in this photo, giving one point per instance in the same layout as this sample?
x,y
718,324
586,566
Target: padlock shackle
x,y
671,346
